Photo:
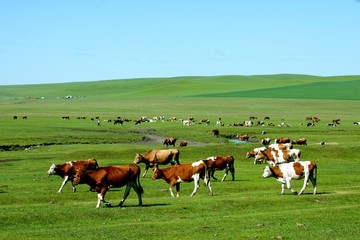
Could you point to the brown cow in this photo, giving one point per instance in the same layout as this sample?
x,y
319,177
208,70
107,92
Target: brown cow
x,y
156,157
68,170
300,141
282,140
183,144
220,163
183,173
115,176
243,137
169,141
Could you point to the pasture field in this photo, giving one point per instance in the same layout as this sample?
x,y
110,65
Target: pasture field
x,y
248,208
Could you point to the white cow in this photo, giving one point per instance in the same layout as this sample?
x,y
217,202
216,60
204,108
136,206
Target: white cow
x,y
285,172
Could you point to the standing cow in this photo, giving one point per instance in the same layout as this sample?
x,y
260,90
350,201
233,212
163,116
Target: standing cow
x,y
169,141
115,176
156,157
285,172
183,173
220,163
68,170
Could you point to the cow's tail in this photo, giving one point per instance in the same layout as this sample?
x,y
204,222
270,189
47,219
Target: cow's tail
x,y
138,183
315,172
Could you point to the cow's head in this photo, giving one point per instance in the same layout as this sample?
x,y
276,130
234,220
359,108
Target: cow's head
x,y
51,170
259,155
267,172
157,174
79,176
138,158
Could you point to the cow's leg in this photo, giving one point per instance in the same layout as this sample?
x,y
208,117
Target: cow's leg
x,y
101,197
66,179
207,182
171,191
72,183
196,178
146,170
232,171
306,180
139,190
213,174
313,181
126,193
288,186
226,172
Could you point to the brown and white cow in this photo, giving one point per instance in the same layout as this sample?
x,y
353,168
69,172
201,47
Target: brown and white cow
x,y
220,163
175,175
115,176
300,141
285,172
253,153
68,170
274,156
280,146
169,141
157,157
282,140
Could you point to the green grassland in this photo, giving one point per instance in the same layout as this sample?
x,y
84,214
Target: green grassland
x,y
248,208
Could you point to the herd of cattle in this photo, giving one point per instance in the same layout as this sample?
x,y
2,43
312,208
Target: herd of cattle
x,y
283,163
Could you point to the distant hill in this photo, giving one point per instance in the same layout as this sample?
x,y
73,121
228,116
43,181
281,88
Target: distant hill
x,y
256,86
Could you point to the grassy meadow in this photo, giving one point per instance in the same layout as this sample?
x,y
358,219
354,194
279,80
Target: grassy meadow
x,y
248,208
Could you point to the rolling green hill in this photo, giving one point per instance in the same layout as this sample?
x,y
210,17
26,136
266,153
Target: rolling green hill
x,y
266,86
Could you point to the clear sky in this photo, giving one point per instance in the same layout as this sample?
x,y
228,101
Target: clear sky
x,y
48,41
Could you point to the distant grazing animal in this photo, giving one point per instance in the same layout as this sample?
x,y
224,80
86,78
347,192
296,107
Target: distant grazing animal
x,y
68,170
183,144
220,163
309,124
169,141
215,132
356,123
300,141
156,157
265,141
331,125
187,122
118,121
113,176
183,173
285,172
336,121
248,123
282,140
274,157
243,137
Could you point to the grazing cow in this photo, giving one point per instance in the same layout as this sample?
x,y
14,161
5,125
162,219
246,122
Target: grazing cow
x,y
118,121
300,141
215,132
68,170
254,152
274,157
336,121
115,176
331,125
174,175
183,144
282,140
187,122
248,123
169,141
356,123
243,137
158,156
285,172
309,124
220,163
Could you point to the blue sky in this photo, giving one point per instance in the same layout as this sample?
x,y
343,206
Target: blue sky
x,y
77,40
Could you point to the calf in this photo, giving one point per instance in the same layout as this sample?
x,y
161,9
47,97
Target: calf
x,y
115,176
285,172
68,170
220,163
169,141
274,156
183,173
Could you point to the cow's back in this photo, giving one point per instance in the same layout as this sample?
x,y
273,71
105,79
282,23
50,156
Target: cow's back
x,y
116,176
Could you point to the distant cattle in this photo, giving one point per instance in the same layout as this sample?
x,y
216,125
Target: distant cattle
x,y
331,125
68,170
248,123
15,117
356,123
65,117
187,122
113,176
274,157
336,121
285,172
243,137
220,163
183,144
300,141
282,140
309,124
265,141
118,121
169,141
183,173
215,132
156,157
